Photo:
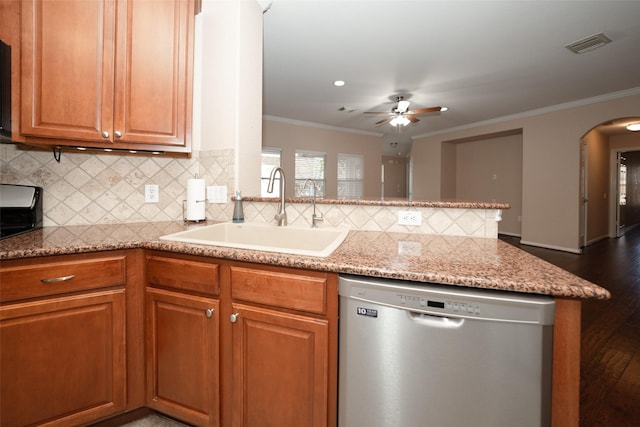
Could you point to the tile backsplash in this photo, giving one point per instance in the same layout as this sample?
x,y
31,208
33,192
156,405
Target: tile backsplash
x,y
89,188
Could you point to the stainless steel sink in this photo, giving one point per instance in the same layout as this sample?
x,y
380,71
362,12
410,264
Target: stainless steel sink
x,y
320,242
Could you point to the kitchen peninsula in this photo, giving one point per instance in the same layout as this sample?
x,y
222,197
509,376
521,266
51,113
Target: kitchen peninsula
x,y
128,267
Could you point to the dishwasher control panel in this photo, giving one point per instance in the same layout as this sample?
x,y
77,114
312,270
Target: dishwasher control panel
x,y
448,301
445,306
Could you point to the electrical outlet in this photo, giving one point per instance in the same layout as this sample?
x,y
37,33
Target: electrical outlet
x,y
151,193
409,218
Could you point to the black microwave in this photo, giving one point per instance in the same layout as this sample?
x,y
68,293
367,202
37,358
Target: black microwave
x,y
20,209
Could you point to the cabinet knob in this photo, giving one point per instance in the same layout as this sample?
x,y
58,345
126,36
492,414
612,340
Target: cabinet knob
x,y
234,317
209,312
117,134
105,134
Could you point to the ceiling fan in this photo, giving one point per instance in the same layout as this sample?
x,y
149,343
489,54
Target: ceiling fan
x,y
401,115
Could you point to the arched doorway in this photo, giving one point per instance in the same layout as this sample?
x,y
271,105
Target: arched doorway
x,y
601,160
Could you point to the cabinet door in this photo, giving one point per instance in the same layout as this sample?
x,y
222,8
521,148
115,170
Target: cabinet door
x,y
67,65
182,333
63,359
280,369
154,71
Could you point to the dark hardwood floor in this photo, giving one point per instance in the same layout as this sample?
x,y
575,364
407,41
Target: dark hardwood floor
x,y
610,365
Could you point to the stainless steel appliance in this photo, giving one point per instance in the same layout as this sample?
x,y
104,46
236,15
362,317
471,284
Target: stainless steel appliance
x,y
20,209
420,355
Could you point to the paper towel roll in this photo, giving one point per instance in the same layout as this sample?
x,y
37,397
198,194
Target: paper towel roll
x,y
196,195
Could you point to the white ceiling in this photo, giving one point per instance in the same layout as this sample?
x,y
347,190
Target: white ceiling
x,y
483,60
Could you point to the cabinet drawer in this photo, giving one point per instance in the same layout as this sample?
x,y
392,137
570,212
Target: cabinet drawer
x,y
279,289
183,274
57,277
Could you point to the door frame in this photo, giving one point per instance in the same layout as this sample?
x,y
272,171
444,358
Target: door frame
x,y
614,178
584,188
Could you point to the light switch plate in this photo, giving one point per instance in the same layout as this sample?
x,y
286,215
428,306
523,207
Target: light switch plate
x,y
217,194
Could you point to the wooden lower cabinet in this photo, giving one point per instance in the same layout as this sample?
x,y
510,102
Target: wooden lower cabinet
x,y
182,356
280,368
62,359
267,356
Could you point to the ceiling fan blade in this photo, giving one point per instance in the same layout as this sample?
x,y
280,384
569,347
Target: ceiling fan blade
x,y
412,119
424,110
388,119
375,112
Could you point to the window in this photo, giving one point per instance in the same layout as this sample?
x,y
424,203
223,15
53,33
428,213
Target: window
x,y
270,159
350,174
623,184
310,165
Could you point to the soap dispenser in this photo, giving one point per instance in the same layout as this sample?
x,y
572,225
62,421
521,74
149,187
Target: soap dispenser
x,y
238,213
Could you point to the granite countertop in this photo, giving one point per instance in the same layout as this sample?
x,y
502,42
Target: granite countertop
x,y
455,204
461,261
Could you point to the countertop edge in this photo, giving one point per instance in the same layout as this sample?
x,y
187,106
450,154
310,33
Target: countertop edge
x,y
393,202
570,286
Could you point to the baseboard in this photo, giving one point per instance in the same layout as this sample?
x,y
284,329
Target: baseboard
x,y
557,248
597,239
502,233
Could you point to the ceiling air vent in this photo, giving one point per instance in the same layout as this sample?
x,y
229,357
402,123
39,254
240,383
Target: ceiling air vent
x,y
588,43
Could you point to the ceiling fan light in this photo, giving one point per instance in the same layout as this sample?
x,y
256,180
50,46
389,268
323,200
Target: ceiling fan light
x,y
399,120
444,108
634,127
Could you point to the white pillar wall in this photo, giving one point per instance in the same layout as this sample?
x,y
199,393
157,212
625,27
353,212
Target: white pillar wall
x,y
228,86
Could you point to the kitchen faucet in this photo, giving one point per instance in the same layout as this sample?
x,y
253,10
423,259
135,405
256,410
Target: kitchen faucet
x,y
281,216
314,218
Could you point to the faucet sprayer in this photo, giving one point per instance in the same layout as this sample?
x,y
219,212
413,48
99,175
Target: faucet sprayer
x,y
314,218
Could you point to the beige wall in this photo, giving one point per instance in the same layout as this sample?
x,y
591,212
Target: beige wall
x,y
449,172
490,170
626,142
291,137
395,177
551,165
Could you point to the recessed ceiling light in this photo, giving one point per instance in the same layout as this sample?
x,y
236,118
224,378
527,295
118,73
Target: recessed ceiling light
x,y
338,83
634,127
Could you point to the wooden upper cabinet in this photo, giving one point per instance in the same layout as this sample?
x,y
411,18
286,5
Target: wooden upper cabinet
x,y
154,71
67,69
107,73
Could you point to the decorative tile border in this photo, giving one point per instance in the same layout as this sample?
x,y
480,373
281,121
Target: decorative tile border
x,y
442,221
90,188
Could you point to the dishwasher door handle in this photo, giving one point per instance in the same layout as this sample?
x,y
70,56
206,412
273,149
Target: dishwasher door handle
x,y
436,321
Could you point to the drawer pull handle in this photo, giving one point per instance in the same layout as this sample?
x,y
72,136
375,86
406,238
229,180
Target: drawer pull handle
x,y
59,279
209,312
234,317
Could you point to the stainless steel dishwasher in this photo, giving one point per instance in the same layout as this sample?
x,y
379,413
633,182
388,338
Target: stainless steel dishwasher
x,y
422,355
